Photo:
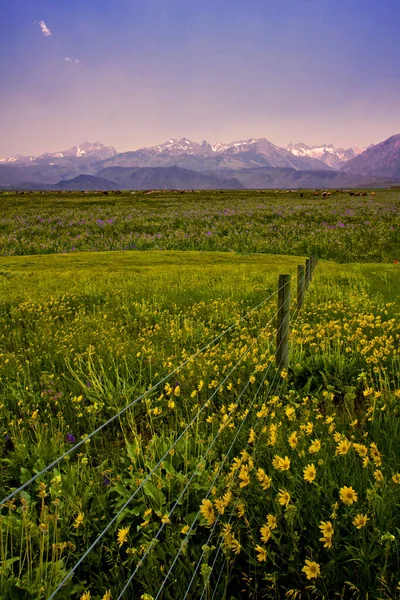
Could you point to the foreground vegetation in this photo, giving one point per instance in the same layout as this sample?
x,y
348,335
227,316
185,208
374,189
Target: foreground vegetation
x,y
278,484
339,227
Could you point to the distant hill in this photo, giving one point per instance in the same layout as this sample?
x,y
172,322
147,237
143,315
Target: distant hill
x,y
380,160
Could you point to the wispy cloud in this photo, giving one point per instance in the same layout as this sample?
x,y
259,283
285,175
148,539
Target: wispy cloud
x,y
45,30
73,61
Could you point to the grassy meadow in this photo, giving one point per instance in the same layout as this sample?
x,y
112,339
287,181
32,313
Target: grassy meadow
x,y
266,484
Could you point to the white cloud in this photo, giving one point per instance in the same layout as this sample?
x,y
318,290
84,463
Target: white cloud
x,y
73,61
45,30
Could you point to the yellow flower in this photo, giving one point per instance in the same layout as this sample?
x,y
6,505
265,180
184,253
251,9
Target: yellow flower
x,y
252,379
283,497
315,447
343,447
252,436
79,521
122,535
293,440
290,413
86,596
262,553
265,533
240,509
207,511
378,475
326,528
271,520
309,473
311,569
165,519
360,521
396,478
244,476
282,464
235,546
360,449
348,495
264,479
185,529
171,404
107,595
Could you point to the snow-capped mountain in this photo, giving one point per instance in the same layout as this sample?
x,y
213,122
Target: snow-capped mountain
x,y
86,150
334,157
203,156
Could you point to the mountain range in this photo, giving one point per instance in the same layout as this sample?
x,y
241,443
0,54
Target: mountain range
x,y
183,164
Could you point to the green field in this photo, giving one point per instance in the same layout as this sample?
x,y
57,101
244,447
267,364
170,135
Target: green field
x,y
256,471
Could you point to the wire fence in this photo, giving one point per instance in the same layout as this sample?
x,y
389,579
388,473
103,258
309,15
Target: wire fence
x,y
281,331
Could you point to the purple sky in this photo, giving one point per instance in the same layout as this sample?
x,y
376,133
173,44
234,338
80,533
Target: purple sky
x,y
142,71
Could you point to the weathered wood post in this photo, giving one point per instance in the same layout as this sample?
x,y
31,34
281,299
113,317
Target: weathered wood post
x,y
301,286
282,331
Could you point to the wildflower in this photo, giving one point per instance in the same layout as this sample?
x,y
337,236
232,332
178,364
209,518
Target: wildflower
x,y
165,519
396,478
79,520
265,533
244,476
240,509
71,439
327,533
311,569
378,475
107,595
315,447
309,473
281,464
207,511
348,495
290,413
122,535
185,529
360,521
252,379
262,553
343,447
360,449
271,520
252,437
235,546
86,596
283,497
293,440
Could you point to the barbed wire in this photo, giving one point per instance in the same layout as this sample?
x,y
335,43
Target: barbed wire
x,y
116,516
131,404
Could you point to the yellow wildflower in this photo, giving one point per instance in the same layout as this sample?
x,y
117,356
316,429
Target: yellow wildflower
x,y
396,478
107,595
240,509
360,521
378,475
86,596
207,511
244,476
309,473
264,479
265,533
293,440
185,529
315,447
311,569
262,553
79,521
348,495
252,437
361,449
271,520
122,535
281,464
283,497
343,447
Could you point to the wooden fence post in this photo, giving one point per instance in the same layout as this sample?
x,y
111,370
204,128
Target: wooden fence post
x,y
282,332
301,285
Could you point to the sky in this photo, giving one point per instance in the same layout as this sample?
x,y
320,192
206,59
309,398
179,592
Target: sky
x,y
134,73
